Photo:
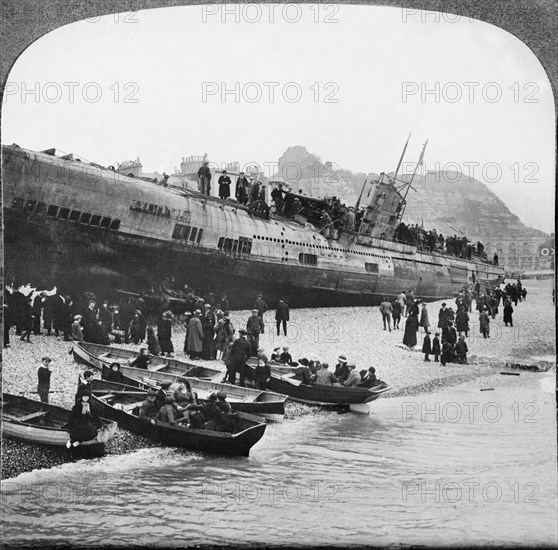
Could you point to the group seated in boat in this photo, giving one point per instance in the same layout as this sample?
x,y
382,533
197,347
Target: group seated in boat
x,y
182,407
311,371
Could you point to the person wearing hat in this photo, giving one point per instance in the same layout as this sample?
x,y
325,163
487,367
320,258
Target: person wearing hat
x,y
38,304
260,305
89,322
83,422
285,357
386,309
162,392
196,418
194,336
212,413
241,191
43,375
369,380
204,178
240,352
461,350
411,328
208,322
262,372
255,326
282,316
142,361
443,317
77,332
427,346
353,380
84,384
149,408
224,332
164,333
224,186
436,349
341,370
105,316
324,377
276,354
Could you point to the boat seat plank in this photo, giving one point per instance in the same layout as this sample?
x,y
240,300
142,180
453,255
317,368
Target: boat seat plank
x,y
26,417
159,367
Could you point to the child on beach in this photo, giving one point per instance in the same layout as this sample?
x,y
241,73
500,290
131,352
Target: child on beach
x,y
436,350
427,346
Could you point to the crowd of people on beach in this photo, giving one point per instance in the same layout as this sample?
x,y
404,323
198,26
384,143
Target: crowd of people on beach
x,y
448,345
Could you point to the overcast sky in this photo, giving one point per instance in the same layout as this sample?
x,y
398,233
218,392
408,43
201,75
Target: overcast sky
x,y
355,93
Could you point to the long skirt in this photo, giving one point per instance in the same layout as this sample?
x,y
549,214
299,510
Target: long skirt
x,y
410,336
166,345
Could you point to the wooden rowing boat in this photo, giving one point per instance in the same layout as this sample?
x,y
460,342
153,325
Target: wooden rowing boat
x,y
268,405
97,355
44,424
318,394
121,403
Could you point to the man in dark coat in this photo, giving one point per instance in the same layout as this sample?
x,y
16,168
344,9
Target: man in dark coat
x,y
43,375
396,313
38,304
204,179
443,317
57,314
240,352
127,312
260,305
282,316
427,346
241,192
508,311
48,314
436,350
341,369
105,316
224,186
89,322
255,326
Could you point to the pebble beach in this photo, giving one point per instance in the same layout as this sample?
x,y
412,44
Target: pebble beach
x,y
325,333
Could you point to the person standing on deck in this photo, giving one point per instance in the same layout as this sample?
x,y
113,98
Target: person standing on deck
x,y
241,190
204,179
43,375
224,186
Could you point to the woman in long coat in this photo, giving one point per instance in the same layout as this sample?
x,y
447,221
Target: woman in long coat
x,y
194,342
411,327
164,333
462,321
424,321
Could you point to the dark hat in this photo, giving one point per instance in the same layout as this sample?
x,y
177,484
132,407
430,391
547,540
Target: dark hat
x,y
372,369
342,359
222,395
151,391
165,384
169,400
443,304
242,331
213,397
88,373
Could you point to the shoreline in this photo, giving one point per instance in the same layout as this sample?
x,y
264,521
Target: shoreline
x,y
325,332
